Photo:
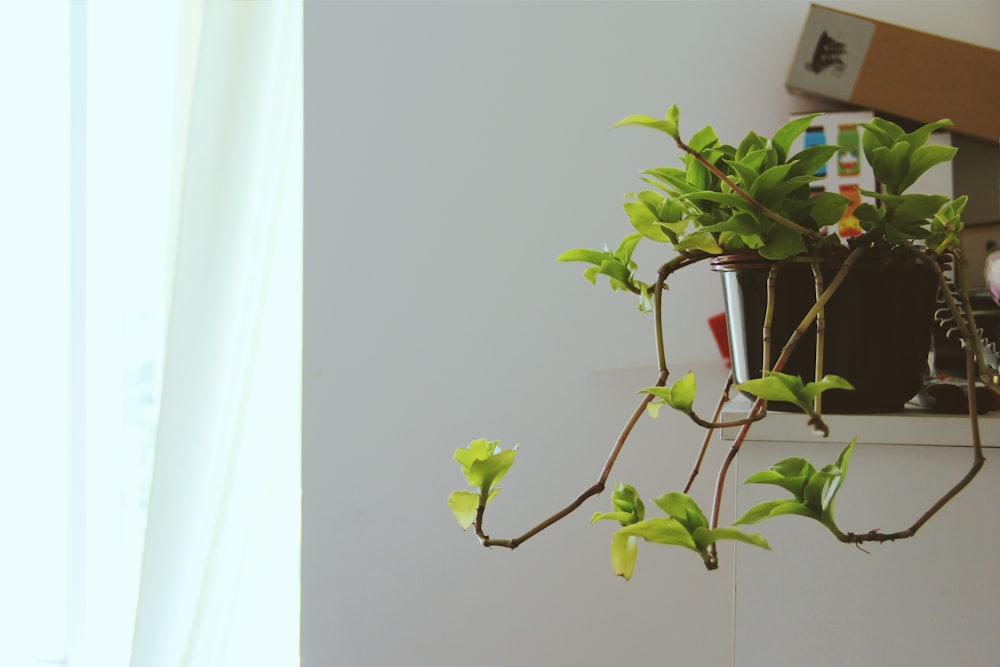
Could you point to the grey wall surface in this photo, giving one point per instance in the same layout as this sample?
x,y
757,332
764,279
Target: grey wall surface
x,y
453,150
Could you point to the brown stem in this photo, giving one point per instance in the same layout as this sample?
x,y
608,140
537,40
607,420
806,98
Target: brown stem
x,y
593,490
820,337
723,399
972,358
786,352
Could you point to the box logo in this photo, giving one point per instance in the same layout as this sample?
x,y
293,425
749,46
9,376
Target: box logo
x,y
829,53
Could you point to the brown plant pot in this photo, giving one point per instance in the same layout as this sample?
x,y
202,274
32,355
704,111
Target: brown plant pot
x,y
879,326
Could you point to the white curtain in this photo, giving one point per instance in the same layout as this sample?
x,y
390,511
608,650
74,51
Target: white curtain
x,y
219,583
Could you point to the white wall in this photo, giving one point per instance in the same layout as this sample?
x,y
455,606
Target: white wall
x,y
452,151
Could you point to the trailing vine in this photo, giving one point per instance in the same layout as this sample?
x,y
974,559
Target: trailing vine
x,y
756,197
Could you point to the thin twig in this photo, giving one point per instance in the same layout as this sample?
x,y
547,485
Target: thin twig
x,y
820,336
786,352
723,399
593,490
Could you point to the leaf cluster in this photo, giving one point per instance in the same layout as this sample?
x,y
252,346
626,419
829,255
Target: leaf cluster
x,y
484,463
791,389
685,525
756,196
813,491
898,159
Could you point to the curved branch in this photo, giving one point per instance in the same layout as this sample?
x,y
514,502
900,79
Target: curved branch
x,y
593,490
972,359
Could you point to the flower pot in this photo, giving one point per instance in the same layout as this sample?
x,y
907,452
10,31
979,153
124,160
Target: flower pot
x,y
879,326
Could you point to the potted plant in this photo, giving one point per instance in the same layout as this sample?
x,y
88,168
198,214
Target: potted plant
x,y
795,291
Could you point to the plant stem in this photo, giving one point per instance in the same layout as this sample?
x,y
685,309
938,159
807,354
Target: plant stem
x,y
723,399
593,490
820,336
786,352
966,329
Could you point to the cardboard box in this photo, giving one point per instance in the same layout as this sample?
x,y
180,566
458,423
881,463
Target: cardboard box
x,y
898,71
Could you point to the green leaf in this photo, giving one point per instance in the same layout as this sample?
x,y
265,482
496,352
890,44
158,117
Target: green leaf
x,y
700,240
627,247
790,388
922,134
827,208
698,174
703,139
629,507
773,508
923,159
817,485
464,505
704,537
673,178
487,472
790,474
768,180
620,517
814,389
624,549
782,243
775,387
583,255
616,270
810,160
476,451
831,491
890,166
673,115
752,143
667,126
645,222
679,396
917,208
661,530
789,132
682,507
775,196
591,274
746,174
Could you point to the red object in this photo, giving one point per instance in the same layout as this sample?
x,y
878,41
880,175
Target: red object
x,y
717,323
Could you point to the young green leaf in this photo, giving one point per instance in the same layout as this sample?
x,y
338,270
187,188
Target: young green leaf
x,y
686,526
679,396
700,240
682,507
923,159
668,126
814,490
583,255
791,389
773,508
705,537
484,463
782,243
789,132
624,549
831,491
629,507
464,505
790,474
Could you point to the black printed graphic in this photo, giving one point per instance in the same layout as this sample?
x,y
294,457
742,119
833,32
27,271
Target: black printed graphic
x,y
828,53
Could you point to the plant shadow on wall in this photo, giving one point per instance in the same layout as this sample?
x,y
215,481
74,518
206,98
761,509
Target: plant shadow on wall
x,y
749,211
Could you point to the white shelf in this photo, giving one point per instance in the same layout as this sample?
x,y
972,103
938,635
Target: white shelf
x,y
910,427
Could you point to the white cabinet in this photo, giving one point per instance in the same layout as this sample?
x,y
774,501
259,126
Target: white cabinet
x,y
933,599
